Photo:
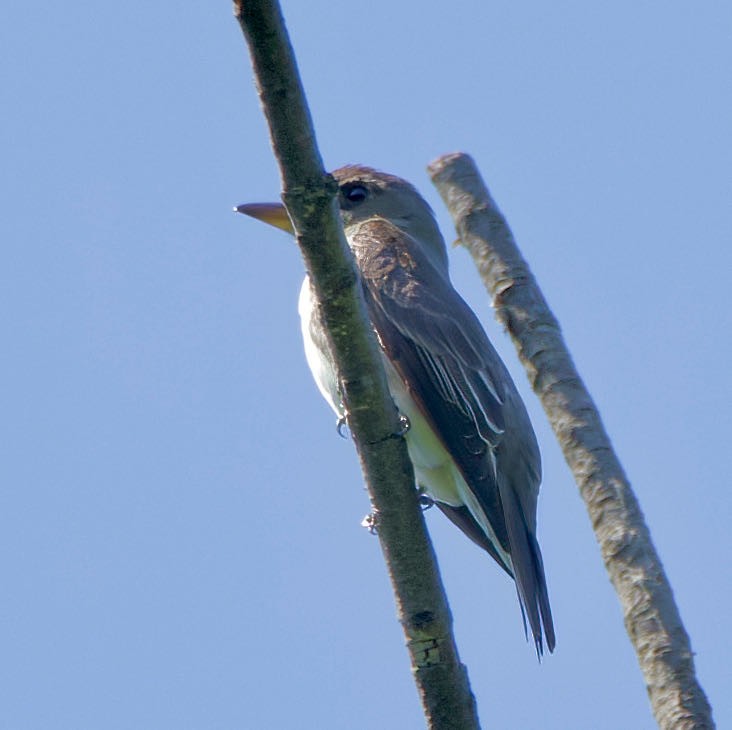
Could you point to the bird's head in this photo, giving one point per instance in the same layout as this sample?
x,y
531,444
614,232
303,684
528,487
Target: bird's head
x,y
364,194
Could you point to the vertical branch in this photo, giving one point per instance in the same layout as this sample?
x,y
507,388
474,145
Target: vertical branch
x,y
652,619
309,195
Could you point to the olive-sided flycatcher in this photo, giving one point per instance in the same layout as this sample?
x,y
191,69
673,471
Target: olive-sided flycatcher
x,y
470,439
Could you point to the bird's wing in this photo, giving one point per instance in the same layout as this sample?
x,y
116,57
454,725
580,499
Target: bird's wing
x,y
445,359
463,389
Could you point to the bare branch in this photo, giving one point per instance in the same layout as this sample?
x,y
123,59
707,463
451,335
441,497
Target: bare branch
x,y
652,619
309,195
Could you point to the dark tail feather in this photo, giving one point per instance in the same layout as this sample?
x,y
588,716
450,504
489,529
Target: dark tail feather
x,y
528,569
543,595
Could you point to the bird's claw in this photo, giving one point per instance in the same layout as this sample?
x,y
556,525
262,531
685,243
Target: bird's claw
x,y
369,522
425,501
404,427
342,427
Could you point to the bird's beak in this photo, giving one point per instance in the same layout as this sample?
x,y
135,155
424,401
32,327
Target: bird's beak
x,y
273,213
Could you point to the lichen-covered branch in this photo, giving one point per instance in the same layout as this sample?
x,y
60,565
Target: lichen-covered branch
x,y
309,195
652,619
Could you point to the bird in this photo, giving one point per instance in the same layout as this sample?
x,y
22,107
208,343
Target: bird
x,y
469,437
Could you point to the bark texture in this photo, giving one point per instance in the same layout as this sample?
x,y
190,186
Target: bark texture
x,y
309,195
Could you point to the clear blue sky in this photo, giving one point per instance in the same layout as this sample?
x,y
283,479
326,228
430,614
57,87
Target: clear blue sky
x,y
179,522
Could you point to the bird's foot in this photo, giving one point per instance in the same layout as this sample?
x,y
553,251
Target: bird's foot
x,y
404,427
425,501
370,522
342,427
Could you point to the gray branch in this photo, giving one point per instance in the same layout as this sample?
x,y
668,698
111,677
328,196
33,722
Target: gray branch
x,y
652,619
310,196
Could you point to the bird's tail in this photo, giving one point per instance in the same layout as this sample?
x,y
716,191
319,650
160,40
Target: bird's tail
x,y
528,572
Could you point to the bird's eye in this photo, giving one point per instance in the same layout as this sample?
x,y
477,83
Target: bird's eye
x,y
355,193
